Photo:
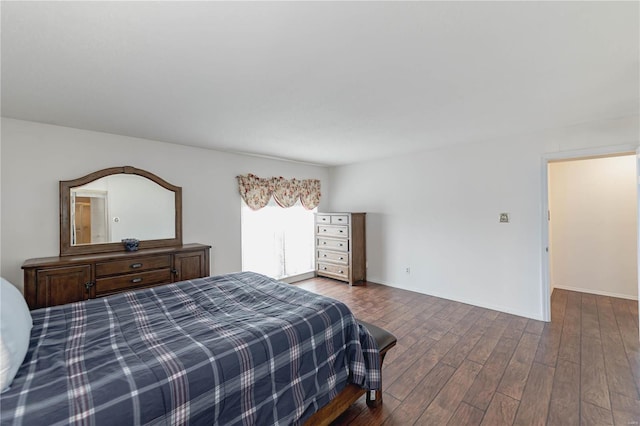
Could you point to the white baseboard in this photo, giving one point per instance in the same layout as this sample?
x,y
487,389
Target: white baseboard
x,y
492,307
598,292
300,277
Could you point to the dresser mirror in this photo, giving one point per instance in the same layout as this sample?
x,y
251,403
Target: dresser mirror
x,y
99,210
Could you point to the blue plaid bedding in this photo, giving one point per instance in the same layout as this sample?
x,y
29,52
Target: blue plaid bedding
x,y
237,349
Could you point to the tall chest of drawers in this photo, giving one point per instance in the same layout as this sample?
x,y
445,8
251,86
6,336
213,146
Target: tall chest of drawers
x,y
341,246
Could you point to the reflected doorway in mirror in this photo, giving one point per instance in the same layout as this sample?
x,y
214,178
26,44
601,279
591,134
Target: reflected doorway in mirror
x,y
89,217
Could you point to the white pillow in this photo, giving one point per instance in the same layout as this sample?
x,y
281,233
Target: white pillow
x,y
15,332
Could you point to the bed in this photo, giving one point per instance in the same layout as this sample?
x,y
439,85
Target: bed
x,y
232,349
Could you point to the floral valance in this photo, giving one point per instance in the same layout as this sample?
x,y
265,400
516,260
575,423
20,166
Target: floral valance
x,y
256,191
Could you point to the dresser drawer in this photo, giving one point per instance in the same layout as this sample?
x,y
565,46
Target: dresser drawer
x,y
339,219
105,269
327,268
323,218
131,281
334,231
332,256
330,244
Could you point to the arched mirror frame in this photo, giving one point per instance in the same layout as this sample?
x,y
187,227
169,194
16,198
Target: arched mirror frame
x,y
67,249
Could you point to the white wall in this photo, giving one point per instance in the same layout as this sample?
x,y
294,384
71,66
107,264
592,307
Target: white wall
x,y
437,213
594,225
34,157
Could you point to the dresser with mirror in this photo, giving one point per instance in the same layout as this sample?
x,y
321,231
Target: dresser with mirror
x,y
97,212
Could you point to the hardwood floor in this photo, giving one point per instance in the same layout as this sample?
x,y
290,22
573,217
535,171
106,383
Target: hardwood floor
x,y
457,364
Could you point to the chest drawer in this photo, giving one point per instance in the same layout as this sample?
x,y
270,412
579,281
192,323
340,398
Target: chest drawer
x,y
323,218
330,244
332,256
339,219
131,281
334,231
333,269
105,269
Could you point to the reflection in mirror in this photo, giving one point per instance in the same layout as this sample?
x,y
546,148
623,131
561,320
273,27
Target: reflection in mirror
x,y
120,206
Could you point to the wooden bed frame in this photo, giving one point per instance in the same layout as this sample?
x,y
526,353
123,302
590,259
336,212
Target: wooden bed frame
x,y
352,393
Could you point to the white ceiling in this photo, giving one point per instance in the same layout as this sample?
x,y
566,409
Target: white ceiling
x,y
322,82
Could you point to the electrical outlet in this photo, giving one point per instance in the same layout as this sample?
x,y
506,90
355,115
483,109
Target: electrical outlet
x,y
504,217
407,270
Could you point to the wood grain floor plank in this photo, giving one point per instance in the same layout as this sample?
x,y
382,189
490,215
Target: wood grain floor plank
x,y
515,377
534,327
444,405
549,345
502,411
412,407
594,387
460,350
515,328
615,357
407,382
375,416
592,415
625,410
470,319
627,322
487,344
396,367
570,344
486,382
564,407
467,415
534,405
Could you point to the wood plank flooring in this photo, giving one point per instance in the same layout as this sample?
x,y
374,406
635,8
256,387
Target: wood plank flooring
x,y
457,364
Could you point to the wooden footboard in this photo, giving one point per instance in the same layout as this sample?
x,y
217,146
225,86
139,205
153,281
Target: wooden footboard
x,y
352,393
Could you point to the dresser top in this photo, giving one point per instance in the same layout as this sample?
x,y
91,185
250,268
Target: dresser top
x,y
340,213
69,260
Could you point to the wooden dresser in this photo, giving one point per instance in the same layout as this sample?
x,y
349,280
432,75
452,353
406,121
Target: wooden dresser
x,y
341,246
53,281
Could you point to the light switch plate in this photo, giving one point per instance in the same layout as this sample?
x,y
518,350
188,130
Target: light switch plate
x,y
504,217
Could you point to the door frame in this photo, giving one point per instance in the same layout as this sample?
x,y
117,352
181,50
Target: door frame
x,y
544,248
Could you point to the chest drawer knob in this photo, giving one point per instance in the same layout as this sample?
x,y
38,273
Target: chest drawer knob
x,y
341,258
136,265
136,280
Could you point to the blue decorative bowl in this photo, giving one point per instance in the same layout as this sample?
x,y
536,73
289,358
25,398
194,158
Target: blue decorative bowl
x,y
130,244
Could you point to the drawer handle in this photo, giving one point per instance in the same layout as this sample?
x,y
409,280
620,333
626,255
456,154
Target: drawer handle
x,y
324,242
341,258
136,265
340,272
324,255
325,268
340,244
341,231
136,280
324,230
339,219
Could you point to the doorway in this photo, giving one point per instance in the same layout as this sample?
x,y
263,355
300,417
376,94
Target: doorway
x,y
568,245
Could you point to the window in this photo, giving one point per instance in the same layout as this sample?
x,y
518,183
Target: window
x,y
276,241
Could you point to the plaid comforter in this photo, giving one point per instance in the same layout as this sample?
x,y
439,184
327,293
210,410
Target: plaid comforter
x,y
229,350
